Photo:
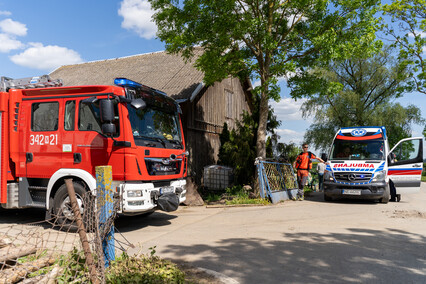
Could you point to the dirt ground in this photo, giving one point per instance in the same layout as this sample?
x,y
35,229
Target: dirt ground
x,y
311,241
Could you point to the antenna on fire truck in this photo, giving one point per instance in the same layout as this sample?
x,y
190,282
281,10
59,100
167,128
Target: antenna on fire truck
x,y
43,81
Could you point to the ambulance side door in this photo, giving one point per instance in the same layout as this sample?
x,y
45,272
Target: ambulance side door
x,y
406,164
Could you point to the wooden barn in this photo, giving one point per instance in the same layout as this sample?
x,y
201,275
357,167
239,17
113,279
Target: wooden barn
x,y
205,108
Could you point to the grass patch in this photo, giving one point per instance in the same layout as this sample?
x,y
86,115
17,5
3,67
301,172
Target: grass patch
x,y
232,196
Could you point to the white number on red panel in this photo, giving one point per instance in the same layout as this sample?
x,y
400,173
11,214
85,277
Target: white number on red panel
x,y
41,139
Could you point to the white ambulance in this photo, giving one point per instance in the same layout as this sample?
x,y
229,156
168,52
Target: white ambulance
x,y
362,166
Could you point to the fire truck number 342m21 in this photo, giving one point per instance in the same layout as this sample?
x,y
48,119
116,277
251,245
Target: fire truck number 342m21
x,y
50,133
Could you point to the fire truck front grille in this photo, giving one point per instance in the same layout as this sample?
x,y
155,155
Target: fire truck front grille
x,y
161,167
352,177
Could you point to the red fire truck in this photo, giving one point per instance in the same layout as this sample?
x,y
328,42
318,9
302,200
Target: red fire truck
x,y
50,133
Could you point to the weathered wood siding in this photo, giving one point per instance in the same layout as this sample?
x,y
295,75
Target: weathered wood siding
x,y
223,102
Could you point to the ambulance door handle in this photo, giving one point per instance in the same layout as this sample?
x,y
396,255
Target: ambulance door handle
x,y
29,157
77,158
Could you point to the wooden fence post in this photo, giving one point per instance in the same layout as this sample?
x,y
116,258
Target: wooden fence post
x,y
82,231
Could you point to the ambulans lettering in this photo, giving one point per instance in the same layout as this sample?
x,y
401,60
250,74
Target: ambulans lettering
x,y
41,139
351,165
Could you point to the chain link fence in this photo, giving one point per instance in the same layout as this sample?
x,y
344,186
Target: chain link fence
x,y
58,250
277,181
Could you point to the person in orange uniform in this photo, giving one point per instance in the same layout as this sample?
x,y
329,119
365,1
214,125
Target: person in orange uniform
x,y
303,164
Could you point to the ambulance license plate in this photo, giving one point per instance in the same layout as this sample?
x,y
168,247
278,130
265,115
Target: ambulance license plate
x,y
351,191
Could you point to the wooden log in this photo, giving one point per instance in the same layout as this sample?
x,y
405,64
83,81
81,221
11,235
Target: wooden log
x,y
4,242
49,278
19,272
11,253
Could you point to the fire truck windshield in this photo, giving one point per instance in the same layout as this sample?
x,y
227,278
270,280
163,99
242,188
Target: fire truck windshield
x,y
357,150
152,124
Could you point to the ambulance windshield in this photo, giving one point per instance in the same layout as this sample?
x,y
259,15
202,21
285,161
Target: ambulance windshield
x,y
357,150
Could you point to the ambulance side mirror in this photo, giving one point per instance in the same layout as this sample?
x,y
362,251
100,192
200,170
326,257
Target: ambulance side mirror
x,y
106,109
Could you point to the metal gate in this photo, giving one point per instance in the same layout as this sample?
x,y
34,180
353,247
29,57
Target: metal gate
x,y
277,181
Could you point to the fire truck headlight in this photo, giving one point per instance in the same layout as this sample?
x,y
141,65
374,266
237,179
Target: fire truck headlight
x,y
134,193
379,176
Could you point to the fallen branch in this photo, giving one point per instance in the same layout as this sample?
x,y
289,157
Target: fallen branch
x,y
19,272
11,253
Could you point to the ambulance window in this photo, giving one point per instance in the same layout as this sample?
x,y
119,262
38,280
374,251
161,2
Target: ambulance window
x,y
407,150
69,115
44,116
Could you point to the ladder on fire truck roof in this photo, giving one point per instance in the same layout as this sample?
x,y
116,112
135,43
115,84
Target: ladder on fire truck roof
x,y
28,83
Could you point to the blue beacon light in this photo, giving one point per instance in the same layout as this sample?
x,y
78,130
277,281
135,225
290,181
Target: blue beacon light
x,y
123,82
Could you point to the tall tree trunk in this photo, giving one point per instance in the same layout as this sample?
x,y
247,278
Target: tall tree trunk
x,y
261,130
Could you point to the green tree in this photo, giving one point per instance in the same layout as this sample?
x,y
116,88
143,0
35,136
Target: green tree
x,y
356,92
284,152
264,40
408,31
238,149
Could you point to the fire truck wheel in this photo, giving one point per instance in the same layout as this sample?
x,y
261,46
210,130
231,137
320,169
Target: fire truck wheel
x,y
63,211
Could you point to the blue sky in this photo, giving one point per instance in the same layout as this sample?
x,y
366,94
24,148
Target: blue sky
x,y
36,37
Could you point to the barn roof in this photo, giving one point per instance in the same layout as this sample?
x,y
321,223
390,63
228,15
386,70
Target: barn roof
x,y
159,70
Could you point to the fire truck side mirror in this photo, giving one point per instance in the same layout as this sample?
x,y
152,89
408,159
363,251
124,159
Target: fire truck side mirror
x,y
138,104
106,109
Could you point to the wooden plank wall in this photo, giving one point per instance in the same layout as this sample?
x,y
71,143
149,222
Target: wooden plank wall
x,y
204,119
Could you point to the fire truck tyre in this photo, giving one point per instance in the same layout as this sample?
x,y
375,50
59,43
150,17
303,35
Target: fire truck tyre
x,y
63,211
386,195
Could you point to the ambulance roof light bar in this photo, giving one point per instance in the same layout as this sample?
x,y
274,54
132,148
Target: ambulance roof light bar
x,y
28,83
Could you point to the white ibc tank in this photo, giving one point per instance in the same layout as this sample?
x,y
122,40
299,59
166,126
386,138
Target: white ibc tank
x,y
217,177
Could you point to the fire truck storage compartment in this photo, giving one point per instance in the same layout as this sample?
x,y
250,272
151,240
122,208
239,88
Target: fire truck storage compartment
x,y
217,177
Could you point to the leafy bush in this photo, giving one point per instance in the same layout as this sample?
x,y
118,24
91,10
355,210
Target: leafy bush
x,y
125,269
143,269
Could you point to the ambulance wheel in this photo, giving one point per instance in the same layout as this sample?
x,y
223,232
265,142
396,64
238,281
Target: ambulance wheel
x,y
63,211
386,196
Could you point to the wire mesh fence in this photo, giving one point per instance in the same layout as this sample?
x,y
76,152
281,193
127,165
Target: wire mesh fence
x,y
53,251
277,181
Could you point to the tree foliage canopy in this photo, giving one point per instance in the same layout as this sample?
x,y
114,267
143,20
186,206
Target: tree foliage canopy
x,y
356,92
265,40
408,30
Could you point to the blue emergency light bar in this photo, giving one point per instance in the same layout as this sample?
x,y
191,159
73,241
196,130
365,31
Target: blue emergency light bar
x,y
123,82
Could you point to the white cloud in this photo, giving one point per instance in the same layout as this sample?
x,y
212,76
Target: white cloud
x,y
46,57
12,27
290,136
8,43
137,17
5,13
288,109
421,33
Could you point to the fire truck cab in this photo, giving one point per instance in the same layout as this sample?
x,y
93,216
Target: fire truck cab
x,y
50,133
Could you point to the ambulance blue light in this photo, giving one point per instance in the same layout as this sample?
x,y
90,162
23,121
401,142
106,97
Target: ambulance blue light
x,y
123,82
384,132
